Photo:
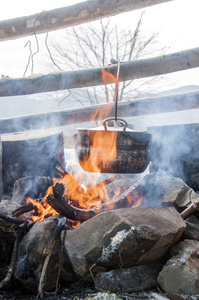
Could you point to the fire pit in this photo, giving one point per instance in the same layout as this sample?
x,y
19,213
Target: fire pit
x,y
119,227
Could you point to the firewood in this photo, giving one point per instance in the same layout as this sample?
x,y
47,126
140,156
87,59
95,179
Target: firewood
x,y
23,209
12,220
59,203
48,251
61,172
44,269
56,232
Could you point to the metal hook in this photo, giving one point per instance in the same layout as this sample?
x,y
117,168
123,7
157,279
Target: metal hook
x,y
117,89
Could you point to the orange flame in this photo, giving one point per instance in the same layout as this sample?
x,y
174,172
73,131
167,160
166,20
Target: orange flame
x,y
103,151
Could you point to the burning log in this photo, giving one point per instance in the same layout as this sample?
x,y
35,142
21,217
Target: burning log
x,y
30,154
59,203
23,209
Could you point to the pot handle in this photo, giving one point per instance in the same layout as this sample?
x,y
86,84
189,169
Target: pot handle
x,y
113,119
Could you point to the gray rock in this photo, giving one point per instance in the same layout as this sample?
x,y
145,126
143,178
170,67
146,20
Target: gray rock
x,y
31,258
185,246
165,190
180,275
192,228
123,238
135,279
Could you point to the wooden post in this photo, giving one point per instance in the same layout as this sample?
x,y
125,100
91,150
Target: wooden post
x,y
35,153
1,184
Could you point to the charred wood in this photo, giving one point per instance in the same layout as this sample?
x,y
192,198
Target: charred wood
x,y
59,203
23,209
12,220
55,234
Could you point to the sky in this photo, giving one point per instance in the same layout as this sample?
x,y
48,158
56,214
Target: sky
x,y
176,21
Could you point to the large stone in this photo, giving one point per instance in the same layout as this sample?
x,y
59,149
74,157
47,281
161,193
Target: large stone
x,y
180,275
31,258
123,238
134,279
185,246
192,228
160,191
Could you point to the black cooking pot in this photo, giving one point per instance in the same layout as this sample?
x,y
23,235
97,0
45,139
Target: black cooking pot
x,y
133,149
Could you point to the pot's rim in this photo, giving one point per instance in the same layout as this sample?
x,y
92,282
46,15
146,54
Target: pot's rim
x,y
119,129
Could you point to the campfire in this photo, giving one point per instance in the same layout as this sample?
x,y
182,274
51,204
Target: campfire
x,y
95,224
110,216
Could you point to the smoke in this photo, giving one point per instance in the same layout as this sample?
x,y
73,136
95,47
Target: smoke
x,y
174,150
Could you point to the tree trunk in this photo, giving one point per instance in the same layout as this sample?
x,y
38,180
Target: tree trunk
x,y
30,154
87,11
76,79
101,111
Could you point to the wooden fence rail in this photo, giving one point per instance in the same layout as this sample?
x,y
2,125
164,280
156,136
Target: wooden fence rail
x,y
68,16
131,108
92,77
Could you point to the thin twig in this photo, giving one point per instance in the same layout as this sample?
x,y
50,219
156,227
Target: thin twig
x,y
56,232
29,58
44,269
60,262
46,43
11,220
32,58
90,270
69,92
